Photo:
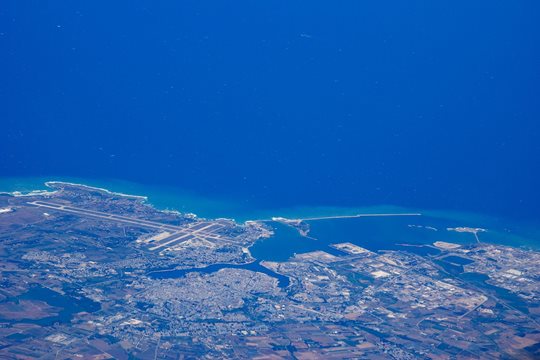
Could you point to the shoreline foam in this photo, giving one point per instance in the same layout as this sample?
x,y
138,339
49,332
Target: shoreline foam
x,y
175,200
107,191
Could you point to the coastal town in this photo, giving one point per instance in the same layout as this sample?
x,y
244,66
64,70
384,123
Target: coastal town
x,y
90,274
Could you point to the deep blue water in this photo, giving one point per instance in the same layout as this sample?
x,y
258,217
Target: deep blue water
x,y
280,104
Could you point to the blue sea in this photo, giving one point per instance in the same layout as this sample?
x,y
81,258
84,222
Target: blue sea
x,y
250,109
406,233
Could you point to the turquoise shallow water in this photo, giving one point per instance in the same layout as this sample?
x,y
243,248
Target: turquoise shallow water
x,y
161,197
167,197
380,233
374,233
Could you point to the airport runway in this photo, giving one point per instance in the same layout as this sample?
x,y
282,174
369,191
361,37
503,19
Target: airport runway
x,y
202,230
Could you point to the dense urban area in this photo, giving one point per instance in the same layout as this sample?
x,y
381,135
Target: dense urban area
x,y
89,274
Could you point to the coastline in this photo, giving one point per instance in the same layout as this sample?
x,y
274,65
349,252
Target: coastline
x,y
107,191
178,201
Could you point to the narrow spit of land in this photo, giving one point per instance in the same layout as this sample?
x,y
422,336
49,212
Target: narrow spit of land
x,y
357,216
341,217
